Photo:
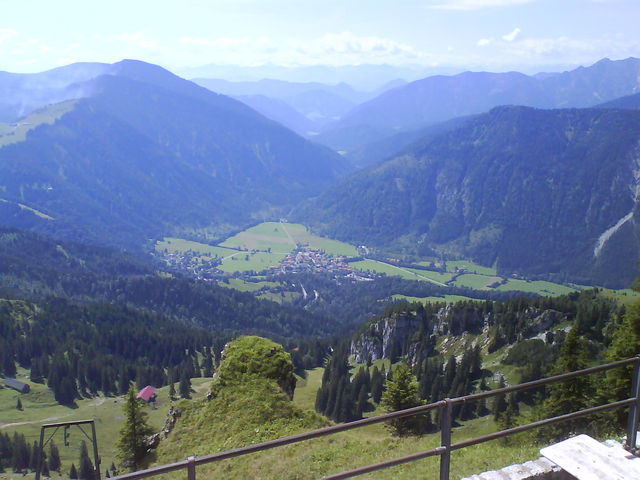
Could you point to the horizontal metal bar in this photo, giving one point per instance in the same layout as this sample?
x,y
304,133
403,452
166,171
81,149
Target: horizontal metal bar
x,y
477,440
544,381
62,424
150,472
400,414
382,465
541,423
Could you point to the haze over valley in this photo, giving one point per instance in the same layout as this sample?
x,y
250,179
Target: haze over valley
x,y
281,226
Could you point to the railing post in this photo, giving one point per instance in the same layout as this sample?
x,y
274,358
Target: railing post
x,y
191,468
445,438
634,409
40,454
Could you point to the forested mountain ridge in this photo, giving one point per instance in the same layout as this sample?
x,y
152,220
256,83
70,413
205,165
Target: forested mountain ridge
x,y
530,191
440,98
146,153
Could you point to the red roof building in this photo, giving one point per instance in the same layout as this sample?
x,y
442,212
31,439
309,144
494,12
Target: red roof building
x,y
147,394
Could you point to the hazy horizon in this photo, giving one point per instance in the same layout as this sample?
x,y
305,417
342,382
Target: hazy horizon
x,y
434,36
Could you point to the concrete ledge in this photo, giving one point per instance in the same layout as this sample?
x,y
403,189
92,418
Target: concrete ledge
x,y
540,469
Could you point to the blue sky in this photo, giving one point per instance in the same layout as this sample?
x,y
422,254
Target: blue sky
x,y
497,35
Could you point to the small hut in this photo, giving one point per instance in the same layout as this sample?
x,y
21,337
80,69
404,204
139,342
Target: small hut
x,y
147,394
16,385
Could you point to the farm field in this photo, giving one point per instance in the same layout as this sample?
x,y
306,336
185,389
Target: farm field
x,y
244,286
475,281
179,245
246,261
470,267
267,235
536,286
302,236
444,298
265,245
388,269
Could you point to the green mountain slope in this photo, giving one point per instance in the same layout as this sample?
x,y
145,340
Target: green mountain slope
x,y
528,190
148,153
440,98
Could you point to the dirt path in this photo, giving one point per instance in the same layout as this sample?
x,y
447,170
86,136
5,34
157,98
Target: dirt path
x,y
94,403
31,422
288,234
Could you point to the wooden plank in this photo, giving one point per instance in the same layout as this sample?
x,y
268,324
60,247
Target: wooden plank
x,y
587,459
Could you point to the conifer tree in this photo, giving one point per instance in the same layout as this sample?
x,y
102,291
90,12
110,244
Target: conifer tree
x,y
185,385
73,473
625,344
131,444
569,395
402,393
377,385
172,390
86,470
54,458
499,401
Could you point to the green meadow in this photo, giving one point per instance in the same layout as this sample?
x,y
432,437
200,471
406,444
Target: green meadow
x,y
302,236
17,132
40,407
267,235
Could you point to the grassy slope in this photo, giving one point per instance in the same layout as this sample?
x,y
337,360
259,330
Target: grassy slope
x,y
231,420
40,407
17,132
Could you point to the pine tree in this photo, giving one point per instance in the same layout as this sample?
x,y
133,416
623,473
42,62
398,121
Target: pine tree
x,y
19,404
185,385
402,393
569,395
73,473
499,401
33,457
86,470
131,444
54,458
377,385
625,344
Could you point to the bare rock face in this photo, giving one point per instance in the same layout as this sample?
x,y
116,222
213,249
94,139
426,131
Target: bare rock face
x,y
386,338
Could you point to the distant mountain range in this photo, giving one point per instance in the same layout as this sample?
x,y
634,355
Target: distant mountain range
x,y
530,191
144,153
303,107
440,98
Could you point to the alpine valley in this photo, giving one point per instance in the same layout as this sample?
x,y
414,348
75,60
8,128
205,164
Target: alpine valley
x,y
267,257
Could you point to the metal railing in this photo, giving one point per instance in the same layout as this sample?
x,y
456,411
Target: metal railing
x,y
445,414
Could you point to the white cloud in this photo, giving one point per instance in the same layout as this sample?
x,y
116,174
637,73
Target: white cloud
x,y
137,39
221,42
345,47
341,48
512,49
510,37
474,4
6,33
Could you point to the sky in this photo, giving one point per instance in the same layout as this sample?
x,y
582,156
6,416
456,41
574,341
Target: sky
x,y
493,35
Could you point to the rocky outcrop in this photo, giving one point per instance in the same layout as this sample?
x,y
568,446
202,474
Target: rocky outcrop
x,y
413,336
455,321
385,338
172,416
